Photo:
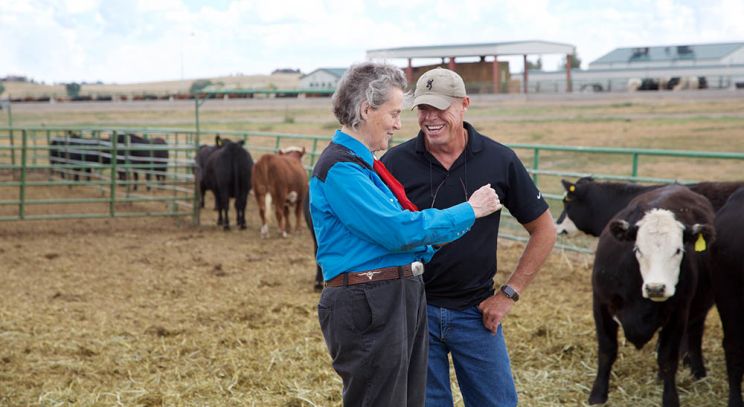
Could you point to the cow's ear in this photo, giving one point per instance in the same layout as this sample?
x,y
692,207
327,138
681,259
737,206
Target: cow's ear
x,y
303,151
623,231
217,140
569,186
700,235
280,151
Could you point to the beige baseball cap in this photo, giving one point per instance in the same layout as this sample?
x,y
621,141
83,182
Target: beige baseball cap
x,y
438,87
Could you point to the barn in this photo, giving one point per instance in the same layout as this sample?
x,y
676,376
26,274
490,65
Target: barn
x,y
321,78
721,64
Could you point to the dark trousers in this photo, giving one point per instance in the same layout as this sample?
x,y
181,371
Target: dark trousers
x,y
376,334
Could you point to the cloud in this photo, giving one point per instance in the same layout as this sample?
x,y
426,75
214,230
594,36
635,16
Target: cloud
x,y
143,40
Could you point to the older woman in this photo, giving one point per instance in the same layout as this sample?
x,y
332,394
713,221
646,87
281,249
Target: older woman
x,y
371,244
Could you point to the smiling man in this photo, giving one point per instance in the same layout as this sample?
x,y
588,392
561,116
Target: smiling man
x,y
442,167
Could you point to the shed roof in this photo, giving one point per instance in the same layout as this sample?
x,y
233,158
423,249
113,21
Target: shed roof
x,y
669,53
470,50
337,72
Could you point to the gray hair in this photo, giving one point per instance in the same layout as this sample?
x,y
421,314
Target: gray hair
x,y
365,82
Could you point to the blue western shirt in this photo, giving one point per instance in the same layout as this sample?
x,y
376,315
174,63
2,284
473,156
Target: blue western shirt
x,y
359,223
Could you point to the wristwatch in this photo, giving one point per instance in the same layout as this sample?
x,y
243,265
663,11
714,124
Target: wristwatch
x,y
510,292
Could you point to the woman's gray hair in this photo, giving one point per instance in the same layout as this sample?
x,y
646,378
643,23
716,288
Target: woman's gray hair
x,y
365,82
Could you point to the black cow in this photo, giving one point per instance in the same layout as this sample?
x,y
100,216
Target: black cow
x,y
227,174
131,149
646,276
200,163
728,287
589,205
309,221
72,153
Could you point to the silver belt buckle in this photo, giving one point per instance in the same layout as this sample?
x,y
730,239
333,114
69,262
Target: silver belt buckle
x,y
417,268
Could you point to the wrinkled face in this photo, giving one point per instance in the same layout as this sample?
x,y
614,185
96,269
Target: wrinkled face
x,y
659,249
442,127
380,123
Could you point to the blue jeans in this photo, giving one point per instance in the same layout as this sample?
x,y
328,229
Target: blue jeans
x,y
480,358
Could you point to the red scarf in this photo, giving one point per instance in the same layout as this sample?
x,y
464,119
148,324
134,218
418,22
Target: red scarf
x,y
394,186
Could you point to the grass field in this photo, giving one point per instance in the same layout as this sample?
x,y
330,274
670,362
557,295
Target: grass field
x,y
157,312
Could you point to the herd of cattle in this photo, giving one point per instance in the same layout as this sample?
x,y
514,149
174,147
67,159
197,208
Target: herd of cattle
x,y
665,255
75,156
673,83
228,170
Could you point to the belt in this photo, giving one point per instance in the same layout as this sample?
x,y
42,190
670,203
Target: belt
x,y
386,273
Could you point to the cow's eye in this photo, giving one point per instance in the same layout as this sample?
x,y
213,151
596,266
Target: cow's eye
x,y
678,252
637,251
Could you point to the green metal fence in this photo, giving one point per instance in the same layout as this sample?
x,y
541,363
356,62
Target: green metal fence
x,y
36,184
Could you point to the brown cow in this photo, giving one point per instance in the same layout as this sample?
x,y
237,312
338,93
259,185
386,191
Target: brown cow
x,y
284,179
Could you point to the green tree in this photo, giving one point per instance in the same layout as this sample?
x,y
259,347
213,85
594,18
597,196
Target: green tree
x,y
531,66
199,85
575,62
73,89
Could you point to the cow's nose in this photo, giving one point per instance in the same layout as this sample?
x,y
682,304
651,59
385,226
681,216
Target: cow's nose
x,y
562,232
655,290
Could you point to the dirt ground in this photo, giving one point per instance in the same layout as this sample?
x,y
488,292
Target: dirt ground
x,y
158,312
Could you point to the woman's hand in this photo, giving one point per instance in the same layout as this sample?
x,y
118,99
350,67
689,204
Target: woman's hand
x,y
484,201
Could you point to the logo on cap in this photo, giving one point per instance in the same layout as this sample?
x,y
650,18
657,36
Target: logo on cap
x,y
429,83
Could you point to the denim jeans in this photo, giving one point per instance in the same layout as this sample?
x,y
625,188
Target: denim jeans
x,y
481,360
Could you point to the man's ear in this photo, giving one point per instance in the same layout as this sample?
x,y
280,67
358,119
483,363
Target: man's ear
x,y
623,231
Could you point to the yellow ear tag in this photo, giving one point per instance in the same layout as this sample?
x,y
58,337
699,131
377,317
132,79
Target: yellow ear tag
x,y
700,243
572,188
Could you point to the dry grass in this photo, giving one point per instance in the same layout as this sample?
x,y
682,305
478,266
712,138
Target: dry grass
x,y
156,312
143,312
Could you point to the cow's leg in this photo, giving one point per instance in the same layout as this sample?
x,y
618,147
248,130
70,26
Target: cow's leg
x,y
298,215
281,210
225,205
606,328
240,204
733,346
261,202
202,191
668,356
730,305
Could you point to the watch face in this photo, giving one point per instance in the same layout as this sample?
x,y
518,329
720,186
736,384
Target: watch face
x,y
509,292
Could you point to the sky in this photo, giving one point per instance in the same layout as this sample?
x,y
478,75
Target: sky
x,y
128,41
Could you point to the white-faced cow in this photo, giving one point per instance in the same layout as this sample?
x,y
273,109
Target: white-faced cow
x,y
588,205
727,254
645,276
282,178
228,175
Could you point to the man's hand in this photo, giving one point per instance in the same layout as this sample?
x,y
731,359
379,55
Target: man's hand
x,y
494,309
484,201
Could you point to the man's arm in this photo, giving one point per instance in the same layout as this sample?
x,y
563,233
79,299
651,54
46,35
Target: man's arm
x,y
542,238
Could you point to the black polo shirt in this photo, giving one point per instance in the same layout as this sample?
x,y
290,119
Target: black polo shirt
x,y
461,273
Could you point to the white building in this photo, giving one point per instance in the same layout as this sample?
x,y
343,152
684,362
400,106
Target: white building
x,y
322,79
721,65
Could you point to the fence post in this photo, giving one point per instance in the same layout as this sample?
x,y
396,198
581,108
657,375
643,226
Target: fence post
x,y
114,175
312,154
634,171
535,164
22,189
195,220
